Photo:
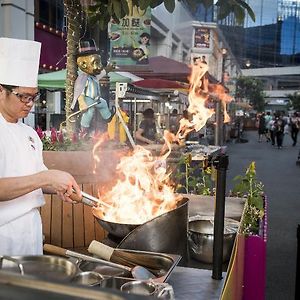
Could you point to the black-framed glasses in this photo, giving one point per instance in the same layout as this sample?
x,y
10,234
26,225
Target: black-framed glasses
x,y
25,98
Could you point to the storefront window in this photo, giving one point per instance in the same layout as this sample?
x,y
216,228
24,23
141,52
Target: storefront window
x,y
50,13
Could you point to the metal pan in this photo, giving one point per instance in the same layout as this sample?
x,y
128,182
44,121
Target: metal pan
x,y
116,229
88,266
122,230
166,233
46,267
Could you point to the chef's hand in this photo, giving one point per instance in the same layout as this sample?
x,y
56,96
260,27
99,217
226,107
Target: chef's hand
x,y
61,183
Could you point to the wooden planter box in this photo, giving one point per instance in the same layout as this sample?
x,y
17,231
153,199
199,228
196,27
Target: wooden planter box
x,y
246,274
78,163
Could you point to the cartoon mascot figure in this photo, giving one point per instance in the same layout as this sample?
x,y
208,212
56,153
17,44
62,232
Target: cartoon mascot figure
x,y
87,90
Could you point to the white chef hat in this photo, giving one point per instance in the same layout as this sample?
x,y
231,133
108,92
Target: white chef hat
x,y
19,62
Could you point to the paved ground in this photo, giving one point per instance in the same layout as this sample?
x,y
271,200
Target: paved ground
x,y
277,170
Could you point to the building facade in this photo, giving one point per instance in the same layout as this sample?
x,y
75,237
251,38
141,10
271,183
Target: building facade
x,y
180,36
269,47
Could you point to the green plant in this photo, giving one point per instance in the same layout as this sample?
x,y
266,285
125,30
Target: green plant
x,y
195,179
249,187
253,90
294,101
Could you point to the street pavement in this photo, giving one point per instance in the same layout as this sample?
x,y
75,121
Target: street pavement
x,y
277,170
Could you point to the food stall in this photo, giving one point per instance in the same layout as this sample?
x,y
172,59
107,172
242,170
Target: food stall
x,y
179,282
128,226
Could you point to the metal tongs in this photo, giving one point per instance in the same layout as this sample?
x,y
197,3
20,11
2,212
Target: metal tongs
x,y
88,200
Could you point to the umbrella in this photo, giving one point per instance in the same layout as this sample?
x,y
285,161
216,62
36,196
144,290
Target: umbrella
x,y
57,79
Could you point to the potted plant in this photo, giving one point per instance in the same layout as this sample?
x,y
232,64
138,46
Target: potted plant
x,y
79,155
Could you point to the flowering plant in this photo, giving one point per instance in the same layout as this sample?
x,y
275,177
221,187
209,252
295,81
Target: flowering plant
x,y
59,141
249,187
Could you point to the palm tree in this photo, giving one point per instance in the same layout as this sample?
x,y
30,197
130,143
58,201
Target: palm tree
x,y
73,14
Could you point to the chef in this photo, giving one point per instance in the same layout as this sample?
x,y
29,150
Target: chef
x,y
23,175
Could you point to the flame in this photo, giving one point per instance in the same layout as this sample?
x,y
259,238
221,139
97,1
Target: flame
x,y
98,146
220,91
199,94
143,190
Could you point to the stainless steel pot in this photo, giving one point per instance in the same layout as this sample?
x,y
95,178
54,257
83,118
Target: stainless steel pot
x,y
139,288
201,238
88,278
46,267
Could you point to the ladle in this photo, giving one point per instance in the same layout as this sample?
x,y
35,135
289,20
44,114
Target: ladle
x,y
137,272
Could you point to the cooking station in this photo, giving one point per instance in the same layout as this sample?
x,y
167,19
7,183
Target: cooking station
x,y
148,259
166,255
187,282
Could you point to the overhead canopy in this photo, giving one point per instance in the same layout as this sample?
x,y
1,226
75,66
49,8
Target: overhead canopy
x,y
161,84
164,68
57,80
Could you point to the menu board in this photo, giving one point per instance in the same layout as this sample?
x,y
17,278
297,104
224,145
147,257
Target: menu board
x,y
130,39
201,37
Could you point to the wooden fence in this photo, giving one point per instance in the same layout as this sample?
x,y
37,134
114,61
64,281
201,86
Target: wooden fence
x,y
70,225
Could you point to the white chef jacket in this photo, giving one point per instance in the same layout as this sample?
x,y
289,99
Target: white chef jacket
x,y
20,221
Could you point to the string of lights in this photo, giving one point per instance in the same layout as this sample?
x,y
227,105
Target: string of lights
x,y
73,24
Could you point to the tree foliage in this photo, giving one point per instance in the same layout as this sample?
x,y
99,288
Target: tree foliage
x,y
251,89
294,101
101,11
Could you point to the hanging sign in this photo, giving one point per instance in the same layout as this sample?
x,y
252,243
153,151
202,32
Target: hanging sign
x,y
201,37
130,39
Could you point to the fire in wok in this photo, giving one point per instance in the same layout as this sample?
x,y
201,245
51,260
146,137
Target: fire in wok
x,y
143,190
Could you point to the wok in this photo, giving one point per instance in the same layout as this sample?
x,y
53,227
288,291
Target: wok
x,y
116,229
121,230
46,267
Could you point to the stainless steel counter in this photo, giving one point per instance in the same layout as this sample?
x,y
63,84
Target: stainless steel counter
x,y
14,287
196,284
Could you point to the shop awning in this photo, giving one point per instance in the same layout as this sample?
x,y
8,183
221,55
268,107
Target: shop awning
x,y
57,80
161,84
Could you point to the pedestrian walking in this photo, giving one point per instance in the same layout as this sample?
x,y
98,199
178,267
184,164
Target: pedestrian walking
x,y
272,130
279,131
295,124
268,119
261,127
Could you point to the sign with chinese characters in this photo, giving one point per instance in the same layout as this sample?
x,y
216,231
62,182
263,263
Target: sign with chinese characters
x,y
201,37
130,39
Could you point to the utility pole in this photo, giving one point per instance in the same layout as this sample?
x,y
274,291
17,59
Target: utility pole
x,y
219,112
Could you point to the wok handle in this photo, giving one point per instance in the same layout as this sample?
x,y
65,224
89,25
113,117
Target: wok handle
x,y
61,251
101,250
88,200
82,199
74,196
55,250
